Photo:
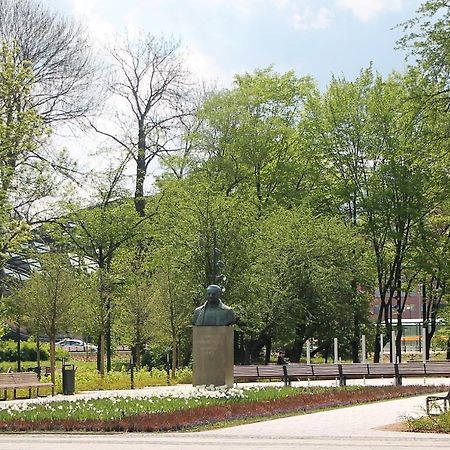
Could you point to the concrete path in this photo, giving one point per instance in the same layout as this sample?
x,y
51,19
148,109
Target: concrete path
x,y
355,427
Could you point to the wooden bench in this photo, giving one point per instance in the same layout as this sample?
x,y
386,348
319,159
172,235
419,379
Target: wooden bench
x,y
325,371
22,380
263,372
412,369
438,369
271,372
432,401
341,372
353,371
298,372
245,373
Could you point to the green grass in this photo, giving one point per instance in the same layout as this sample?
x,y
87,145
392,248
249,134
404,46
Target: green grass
x,y
430,424
87,377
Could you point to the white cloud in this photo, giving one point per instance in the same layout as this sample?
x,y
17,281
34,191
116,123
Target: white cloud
x,y
87,11
308,19
205,69
365,10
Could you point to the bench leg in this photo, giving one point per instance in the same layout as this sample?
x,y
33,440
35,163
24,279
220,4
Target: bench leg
x,y
14,394
434,401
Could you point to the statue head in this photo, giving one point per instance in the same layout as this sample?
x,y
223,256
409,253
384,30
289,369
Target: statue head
x,y
213,294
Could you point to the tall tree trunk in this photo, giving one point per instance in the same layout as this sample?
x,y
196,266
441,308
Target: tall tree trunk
x,y
38,355
108,343
174,356
141,169
101,350
19,356
52,358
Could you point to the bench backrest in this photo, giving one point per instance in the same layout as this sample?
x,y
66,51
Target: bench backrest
x,y
7,379
15,378
355,369
270,371
325,370
299,370
245,371
438,368
411,369
384,369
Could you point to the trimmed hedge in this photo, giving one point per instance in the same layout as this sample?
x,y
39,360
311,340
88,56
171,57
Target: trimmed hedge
x,y
28,351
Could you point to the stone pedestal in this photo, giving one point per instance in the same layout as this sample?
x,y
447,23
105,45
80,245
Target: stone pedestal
x,y
213,356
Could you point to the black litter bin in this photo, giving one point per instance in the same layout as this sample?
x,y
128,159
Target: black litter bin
x,y
68,379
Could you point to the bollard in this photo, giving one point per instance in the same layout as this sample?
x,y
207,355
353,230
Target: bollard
x,y
336,355
363,348
394,348
424,345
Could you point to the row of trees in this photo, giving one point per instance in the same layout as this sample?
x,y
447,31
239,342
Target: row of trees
x,y
314,198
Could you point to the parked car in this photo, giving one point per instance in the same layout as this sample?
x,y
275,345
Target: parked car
x,y
76,345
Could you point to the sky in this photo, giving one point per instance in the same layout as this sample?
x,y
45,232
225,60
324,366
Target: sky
x,y
221,38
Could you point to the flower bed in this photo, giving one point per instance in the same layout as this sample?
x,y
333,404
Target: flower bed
x,y
182,410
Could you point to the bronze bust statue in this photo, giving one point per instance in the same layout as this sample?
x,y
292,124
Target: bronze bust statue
x,y
213,312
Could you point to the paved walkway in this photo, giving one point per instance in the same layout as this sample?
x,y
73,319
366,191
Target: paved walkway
x,y
357,427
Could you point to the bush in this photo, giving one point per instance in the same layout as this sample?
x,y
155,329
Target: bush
x,y
28,351
155,357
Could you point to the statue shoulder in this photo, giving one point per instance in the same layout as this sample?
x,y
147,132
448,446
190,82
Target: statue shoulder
x,y
225,307
199,308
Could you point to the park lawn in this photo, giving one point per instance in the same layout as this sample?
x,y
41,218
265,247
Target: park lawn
x,y
184,410
87,378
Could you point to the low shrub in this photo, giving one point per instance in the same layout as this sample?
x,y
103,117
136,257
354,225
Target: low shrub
x,y
430,424
28,351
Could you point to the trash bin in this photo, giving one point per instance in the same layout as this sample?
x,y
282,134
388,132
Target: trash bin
x,y
68,379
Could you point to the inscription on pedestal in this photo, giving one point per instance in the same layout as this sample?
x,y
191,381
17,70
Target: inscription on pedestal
x,y
213,356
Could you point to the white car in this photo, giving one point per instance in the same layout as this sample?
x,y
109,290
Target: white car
x,y
76,345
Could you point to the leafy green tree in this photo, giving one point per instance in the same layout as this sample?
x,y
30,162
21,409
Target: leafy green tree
x,y
191,212
432,260
50,299
249,137
96,234
301,278
134,313
20,127
426,37
385,180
